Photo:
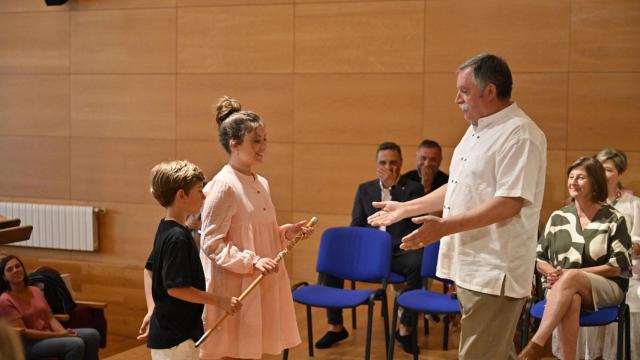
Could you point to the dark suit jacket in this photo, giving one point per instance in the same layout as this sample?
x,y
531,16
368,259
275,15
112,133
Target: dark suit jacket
x,y
440,179
370,191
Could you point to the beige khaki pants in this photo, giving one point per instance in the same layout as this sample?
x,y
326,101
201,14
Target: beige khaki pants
x,y
186,350
488,325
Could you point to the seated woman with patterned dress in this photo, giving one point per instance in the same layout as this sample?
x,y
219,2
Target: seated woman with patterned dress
x,y
24,306
583,256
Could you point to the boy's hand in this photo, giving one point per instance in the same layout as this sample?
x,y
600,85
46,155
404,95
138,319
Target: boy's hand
x,y
193,222
234,306
266,265
144,328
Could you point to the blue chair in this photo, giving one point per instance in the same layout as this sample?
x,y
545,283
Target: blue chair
x,y
425,301
394,278
350,253
604,316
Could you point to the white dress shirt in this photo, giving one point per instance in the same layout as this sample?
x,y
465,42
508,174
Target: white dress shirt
x,y
385,195
504,155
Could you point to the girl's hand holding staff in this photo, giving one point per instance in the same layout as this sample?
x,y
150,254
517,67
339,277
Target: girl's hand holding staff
x,y
266,266
292,231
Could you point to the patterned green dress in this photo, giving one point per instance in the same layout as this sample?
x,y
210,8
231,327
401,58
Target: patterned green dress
x,y
605,240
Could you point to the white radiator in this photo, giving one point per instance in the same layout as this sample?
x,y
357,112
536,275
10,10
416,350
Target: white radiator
x,y
56,226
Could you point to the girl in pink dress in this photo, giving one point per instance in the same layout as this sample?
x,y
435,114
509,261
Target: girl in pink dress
x,y
240,240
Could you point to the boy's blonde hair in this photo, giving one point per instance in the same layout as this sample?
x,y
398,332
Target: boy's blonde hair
x,y
170,176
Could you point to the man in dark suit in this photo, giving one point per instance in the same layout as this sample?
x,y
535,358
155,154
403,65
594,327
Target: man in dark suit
x,y
387,186
427,171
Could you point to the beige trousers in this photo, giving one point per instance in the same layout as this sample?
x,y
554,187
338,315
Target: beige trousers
x,y
186,350
488,325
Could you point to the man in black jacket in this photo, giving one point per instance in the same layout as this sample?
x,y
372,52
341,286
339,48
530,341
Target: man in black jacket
x,y
388,185
427,171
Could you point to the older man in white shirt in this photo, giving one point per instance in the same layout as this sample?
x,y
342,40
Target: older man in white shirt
x,y
491,207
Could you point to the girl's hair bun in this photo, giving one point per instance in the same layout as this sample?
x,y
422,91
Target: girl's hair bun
x,y
226,107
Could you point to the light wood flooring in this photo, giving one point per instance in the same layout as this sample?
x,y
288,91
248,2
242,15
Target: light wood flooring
x,y
350,348
125,348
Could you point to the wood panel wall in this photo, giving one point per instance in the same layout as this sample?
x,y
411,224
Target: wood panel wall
x,y
94,93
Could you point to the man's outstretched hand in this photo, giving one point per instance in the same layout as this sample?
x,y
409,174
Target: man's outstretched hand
x,y
430,231
390,213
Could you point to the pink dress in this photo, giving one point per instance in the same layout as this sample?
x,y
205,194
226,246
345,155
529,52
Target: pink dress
x,y
239,227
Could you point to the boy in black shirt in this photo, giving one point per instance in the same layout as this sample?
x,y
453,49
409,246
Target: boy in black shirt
x,y
173,276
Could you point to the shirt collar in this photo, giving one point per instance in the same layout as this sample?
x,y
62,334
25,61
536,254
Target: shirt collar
x,y
392,186
495,118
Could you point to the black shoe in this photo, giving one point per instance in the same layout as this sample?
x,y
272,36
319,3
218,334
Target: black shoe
x,y
406,342
330,338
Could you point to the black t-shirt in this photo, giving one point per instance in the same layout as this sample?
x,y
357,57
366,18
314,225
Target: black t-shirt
x,y
174,262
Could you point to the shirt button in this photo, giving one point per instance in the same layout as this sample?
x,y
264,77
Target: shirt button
x,y
265,209
258,191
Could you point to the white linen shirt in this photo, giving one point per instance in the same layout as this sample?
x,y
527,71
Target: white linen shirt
x,y
385,195
629,206
504,155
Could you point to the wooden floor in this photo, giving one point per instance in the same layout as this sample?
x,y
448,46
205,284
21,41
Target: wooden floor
x,y
350,348
125,348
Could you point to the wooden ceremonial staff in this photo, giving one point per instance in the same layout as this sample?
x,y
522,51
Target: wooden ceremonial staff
x,y
311,223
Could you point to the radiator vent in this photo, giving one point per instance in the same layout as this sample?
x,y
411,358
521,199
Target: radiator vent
x,y
56,226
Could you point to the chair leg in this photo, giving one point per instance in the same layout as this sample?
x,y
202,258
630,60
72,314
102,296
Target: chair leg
x,y
285,354
381,309
385,317
353,309
309,330
353,318
392,331
526,322
621,337
414,340
445,338
367,351
426,324
627,333
524,332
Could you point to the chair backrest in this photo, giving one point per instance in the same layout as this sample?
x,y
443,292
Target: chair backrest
x,y
355,253
430,262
